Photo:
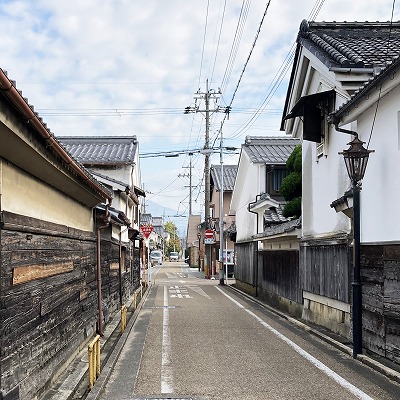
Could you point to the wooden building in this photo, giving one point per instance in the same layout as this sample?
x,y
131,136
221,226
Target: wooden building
x,y
48,250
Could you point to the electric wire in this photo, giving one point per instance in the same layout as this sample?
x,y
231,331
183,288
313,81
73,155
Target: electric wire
x,y
386,63
204,41
235,45
218,42
278,78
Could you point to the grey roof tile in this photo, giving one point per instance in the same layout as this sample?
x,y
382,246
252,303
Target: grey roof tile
x,y
230,172
273,216
351,44
269,150
115,150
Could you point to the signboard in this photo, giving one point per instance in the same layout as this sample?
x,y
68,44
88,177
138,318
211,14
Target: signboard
x,y
146,230
209,237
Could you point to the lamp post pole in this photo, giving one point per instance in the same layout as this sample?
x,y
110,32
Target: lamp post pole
x,y
357,286
356,159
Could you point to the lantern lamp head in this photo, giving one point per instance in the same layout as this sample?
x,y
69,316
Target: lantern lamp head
x,y
356,159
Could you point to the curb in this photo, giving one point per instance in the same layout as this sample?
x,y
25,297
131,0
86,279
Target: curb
x,y
377,366
107,369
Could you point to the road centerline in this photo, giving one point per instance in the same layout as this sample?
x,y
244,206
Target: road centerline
x,y
166,364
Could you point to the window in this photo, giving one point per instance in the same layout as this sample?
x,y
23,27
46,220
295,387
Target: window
x,y
274,177
278,175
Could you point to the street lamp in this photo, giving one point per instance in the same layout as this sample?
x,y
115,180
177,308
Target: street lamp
x,y
356,159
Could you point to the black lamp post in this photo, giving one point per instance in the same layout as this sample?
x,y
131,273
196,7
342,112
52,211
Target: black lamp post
x,y
356,159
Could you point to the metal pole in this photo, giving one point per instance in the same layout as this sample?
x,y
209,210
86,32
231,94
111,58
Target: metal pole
x,y
207,175
221,215
190,183
357,285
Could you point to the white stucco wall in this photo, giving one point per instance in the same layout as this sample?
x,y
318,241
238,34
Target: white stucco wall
x,y
249,183
324,180
380,195
325,177
25,195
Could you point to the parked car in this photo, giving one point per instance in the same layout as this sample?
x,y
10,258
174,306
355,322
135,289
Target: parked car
x,y
173,256
156,257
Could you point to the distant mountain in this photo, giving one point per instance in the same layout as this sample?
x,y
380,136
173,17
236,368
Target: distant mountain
x,y
157,210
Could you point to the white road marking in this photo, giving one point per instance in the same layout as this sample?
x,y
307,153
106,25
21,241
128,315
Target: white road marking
x,y
198,290
166,364
333,375
179,292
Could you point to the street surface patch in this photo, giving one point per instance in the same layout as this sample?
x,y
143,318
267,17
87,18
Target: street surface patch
x,y
167,398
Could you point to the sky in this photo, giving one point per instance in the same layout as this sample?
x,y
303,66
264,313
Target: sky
x,y
125,67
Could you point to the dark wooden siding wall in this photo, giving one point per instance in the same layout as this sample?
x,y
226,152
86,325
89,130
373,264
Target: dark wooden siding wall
x,y
246,266
43,320
324,270
380,270
118,281
279,273
48,298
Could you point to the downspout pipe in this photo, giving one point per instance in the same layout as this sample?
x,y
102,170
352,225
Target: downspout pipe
x,y
253,212
257,225
99,283
7,86
335,121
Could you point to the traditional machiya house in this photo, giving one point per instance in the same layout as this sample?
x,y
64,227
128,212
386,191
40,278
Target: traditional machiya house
x,y
345,84
114,161
48,264
266,243
227,182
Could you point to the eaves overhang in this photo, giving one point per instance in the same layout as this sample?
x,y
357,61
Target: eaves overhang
x,y
368,94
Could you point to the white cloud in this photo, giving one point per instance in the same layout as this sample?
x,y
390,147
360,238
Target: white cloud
x,y
121,54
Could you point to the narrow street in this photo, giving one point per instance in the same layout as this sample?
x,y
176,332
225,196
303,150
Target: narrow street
x,y
195,339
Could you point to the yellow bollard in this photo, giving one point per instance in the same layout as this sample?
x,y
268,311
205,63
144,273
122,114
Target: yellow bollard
x,y
94,360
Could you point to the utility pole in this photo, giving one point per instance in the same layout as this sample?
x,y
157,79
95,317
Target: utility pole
x,y
207,95
190,181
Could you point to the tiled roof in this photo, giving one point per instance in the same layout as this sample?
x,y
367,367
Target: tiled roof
x,y
274,216
146,219
230,172
282,228
351,44
269,150
116,150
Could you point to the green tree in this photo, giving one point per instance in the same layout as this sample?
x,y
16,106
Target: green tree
x,y
173,243
292,184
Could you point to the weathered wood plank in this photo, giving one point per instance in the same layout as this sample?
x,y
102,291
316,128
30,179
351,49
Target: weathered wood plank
x,y
22,223
32,272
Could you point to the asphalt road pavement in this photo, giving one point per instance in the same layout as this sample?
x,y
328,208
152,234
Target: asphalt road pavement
x,y
195,339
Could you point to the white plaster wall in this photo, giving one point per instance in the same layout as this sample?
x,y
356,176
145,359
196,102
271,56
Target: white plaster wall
x,y
380,195
247,186
25,195
324,178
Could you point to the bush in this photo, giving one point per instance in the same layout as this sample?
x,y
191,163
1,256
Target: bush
x,y
291,188
292,208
